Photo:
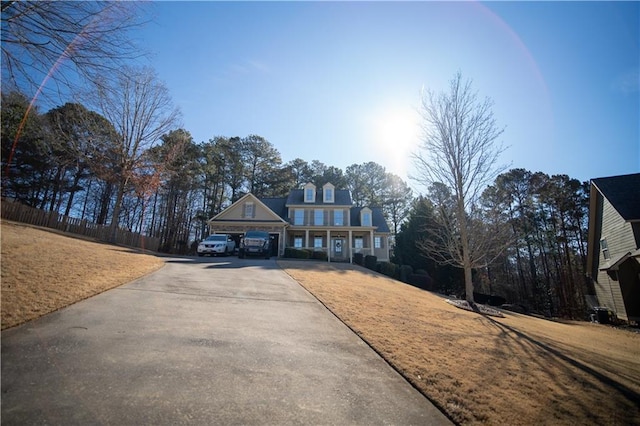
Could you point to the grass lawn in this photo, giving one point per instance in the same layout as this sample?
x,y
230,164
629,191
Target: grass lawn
x,y
478,369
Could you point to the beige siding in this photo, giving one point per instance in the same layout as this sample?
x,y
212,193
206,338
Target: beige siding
x,y
620,241
236,212
382,253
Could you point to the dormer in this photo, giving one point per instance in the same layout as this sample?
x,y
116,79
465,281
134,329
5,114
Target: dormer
x,y
328,193
366,217
309,193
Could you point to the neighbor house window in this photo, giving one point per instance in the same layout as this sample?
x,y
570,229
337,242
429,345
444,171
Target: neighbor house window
x,y
318,218
377,242
338,218
297,242
605,248
298,217
248,210
317,242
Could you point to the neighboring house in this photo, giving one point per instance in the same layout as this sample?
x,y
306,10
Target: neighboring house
x,y
312,218
613,254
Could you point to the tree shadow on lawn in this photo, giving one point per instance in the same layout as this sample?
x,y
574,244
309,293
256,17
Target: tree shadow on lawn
x,y
323,265
548,358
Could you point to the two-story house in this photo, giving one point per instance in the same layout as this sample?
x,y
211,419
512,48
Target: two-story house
x,y
613,253
322,219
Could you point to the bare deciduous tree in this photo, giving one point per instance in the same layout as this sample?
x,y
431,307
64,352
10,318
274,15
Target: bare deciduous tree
x,y
64,40
459,151
141,110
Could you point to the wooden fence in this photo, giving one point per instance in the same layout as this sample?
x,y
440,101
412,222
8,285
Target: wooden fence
x,y
18,212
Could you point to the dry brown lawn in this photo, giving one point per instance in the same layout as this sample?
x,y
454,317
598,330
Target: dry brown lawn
x,y
514,370
517,370
43,271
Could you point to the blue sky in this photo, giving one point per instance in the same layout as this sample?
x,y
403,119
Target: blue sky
x,y
340,82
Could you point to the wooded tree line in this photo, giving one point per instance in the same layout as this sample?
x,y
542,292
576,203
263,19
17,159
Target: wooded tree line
x,y
75,161
538,253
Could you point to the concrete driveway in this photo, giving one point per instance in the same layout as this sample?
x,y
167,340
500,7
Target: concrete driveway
x,y
202,341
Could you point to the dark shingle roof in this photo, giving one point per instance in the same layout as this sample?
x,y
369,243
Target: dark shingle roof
x,y
623,192
342,197
277,205
377,218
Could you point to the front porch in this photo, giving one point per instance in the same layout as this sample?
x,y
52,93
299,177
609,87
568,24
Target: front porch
x,y
337,246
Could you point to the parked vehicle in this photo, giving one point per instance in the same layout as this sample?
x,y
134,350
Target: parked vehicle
x,y
255,242
217,244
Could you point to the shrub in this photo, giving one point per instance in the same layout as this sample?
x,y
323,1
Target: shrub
x,y
422,281
358,259
485,299
389,269
295,253
320,255
405,271
370,262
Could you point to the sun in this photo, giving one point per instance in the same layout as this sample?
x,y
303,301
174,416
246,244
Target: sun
x,y
396,134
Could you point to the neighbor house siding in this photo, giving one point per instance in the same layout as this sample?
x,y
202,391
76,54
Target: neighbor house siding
x,y
620,240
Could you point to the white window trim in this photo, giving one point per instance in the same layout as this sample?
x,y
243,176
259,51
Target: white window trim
x,y
328,193
295,217
364,213
604,248
335,222
377,242
315,217
249,208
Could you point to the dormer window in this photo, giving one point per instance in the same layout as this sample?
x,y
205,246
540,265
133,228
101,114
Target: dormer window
x,y
309,193
365,217
328,193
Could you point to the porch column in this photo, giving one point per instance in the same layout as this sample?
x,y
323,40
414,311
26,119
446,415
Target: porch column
x,y
372,248
350,245
282,244
306,238
328,246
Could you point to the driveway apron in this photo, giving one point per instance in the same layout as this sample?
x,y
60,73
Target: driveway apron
x,y
201,341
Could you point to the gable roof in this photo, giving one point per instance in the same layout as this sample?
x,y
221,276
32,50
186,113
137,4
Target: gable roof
x,y
228,213
342,197
623,192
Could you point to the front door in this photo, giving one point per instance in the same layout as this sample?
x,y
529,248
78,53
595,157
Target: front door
x,y
337,248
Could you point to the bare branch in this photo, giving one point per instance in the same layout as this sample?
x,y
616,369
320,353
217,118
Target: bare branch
x,y
457,159
65,42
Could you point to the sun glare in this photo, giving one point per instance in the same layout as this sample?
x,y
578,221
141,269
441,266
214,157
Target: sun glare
x,y
396,135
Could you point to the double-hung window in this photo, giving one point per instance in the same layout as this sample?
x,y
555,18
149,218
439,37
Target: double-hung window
x,y
318,218
358,243
309,195
338,218
605,248
248,210
366,219
297,242
298,217
317,242
377,242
